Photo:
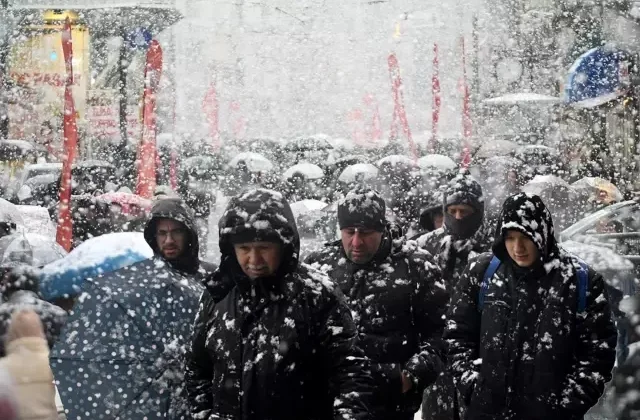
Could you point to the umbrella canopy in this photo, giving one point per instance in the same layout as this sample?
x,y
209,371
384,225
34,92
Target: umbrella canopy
x,y
255,161
121,353
308,144
37,220
438,162
395,160
15,250
45,249
10,213
127,201
96,256
358,172
302,207
308,170
495,147
599,189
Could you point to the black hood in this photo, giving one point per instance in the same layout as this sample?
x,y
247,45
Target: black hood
x,y
430,205
526,213
175,209
260,214
463,189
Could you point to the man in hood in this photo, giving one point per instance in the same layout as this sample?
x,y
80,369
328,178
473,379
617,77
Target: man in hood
x,y
273,339
397,302
172,235
529,329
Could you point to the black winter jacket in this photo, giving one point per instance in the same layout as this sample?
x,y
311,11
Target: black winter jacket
x,y
398,302
528,354
275,348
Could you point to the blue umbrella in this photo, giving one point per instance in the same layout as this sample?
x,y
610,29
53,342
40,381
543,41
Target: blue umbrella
x,y
121,353
97,256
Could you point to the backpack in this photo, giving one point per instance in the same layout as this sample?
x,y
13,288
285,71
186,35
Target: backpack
x,y
494,264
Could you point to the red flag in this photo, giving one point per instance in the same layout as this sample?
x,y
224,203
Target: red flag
x,y
466,112
211,110
147,151
398,99
64,233
436,102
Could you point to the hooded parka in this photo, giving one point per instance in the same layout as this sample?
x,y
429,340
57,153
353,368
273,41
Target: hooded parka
x,y
175,209
527,352
278,347
398,303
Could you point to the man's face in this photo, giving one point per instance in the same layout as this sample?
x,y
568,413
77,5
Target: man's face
x,y
521,248
360,244
171,237
258,259
460,211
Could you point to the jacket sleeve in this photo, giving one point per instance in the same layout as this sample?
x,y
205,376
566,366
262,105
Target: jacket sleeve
x,y
350,379
199,366
594,353
462,330
429,301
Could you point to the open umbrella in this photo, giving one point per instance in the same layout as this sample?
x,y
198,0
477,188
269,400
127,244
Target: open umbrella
x,y
15,250
437,162
37,220
566,204
358,172
45,249
303,207
92,258
127,201
308,144
9,213
308,170
395,160
495,147
255,162
121,353
599,189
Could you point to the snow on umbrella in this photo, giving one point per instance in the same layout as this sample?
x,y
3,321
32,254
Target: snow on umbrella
x,y
565,203
15,250
438,162
10,213
358,172
121,353
395,160
308,144
599,189
92,258
127,201
37,220
255,162
303,207
308,170
45,249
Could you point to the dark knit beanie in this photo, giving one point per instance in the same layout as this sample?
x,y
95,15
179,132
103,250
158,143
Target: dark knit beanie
x,y
464,189
362,207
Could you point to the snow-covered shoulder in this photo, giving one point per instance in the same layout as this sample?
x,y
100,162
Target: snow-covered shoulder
x,y
315,280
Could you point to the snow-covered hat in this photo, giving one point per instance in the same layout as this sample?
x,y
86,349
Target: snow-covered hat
x,y
362,207
464,189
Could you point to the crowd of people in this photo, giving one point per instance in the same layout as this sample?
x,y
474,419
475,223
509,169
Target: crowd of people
x,y
471,320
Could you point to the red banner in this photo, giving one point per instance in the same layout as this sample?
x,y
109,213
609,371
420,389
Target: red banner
x,y
64,233
436,101
146,183
375,133
398,99
211,110
466,112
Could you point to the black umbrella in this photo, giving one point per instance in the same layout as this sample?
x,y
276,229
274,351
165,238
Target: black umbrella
x,y
121,353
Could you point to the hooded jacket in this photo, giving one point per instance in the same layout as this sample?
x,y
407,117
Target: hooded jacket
x,y
274,348
398,304
176,209
20,291
528,354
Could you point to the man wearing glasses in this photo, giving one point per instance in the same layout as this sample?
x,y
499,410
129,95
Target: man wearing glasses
x,y
396,298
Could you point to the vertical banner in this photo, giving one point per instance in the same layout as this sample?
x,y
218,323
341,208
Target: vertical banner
x,y
64,233
436,100
211,109
466,112
398,99
146,182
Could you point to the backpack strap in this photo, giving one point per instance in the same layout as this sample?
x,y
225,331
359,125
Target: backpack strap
x,y
583,286
494,264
